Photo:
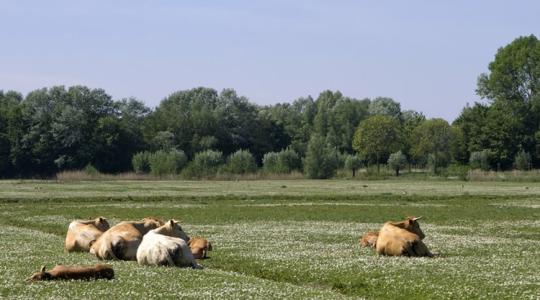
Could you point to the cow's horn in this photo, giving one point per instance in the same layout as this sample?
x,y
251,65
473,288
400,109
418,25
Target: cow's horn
x,y
417,218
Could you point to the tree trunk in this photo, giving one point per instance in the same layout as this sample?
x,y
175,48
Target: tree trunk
x,y
378,166
353,172
397,172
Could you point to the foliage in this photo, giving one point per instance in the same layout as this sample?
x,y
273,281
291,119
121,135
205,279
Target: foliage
x,y
141,162
167,162
431,143
321,159
522,161
353,163
481,160
377,137
204,164
397,161
386,107
241,162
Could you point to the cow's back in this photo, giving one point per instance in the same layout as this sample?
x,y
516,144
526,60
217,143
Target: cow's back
x,y
157,250
80,236
395,241
119,242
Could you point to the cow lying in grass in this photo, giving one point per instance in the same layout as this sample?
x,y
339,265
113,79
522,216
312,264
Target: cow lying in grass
x,y
61,272
82,234
369,239
199,247
402,238
166,246
122,240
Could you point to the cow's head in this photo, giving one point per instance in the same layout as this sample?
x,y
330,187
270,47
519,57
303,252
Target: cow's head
x,y
173,228
411,224
41,275
102,224
151,222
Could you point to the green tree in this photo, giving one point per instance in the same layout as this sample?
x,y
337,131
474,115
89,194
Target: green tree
x,y
386,107
513,88
522,161
321,159
431,142
377,137
397,161
353,163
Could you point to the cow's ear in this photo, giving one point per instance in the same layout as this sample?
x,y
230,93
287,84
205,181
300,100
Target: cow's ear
x,y
172,222
101,220
42,269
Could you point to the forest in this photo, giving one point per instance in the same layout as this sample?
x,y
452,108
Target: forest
x,y
202,131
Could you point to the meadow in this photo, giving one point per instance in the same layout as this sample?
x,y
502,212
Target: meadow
x,y
284,239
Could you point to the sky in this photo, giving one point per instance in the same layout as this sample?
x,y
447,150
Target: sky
x,y
425,54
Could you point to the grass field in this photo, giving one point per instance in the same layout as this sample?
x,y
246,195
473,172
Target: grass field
x,y
285,239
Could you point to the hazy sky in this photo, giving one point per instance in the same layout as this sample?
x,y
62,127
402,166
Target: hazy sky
x,y
424,54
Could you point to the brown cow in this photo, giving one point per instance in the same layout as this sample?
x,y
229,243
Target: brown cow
x,y
82,234
369,239
122,240
402,238
98,271
199,247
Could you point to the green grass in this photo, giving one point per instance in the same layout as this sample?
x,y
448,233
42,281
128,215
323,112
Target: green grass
x,y
285,239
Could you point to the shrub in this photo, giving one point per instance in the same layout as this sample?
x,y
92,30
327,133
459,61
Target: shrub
x,y
141,162
204,164
282,162
241,162
522,161
167,162
480,160
91,170
396,161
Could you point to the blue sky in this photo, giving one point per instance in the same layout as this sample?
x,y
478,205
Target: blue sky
x,y
424,54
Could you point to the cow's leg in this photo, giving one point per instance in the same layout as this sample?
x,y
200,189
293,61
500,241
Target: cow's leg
x,y
420,249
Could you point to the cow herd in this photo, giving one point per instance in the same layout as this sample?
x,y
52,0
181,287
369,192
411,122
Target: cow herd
x,y
157,243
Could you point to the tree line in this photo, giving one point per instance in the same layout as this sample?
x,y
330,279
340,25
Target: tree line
x,y
202,131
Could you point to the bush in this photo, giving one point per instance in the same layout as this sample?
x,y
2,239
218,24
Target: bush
x,y
167,163
141,162
396,161
353,163
321,160
241,162
480,160
204,164
91,170
522,161
283,162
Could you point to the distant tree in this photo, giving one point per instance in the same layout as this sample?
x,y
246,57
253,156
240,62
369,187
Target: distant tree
x,y
321,159
386,107
522,161
431,142
377,137
397,161
167,162
353,163
141,162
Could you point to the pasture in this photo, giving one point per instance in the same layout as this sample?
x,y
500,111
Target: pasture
x,y
284,239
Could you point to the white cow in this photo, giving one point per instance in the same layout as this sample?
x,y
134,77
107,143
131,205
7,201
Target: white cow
x,y
166,246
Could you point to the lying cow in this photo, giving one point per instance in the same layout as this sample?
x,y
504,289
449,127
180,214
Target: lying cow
x,y
199,247
369,239
82,234
402,238
122,240
61,272
166,246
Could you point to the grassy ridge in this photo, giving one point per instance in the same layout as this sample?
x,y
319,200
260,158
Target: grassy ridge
x,y
276,242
